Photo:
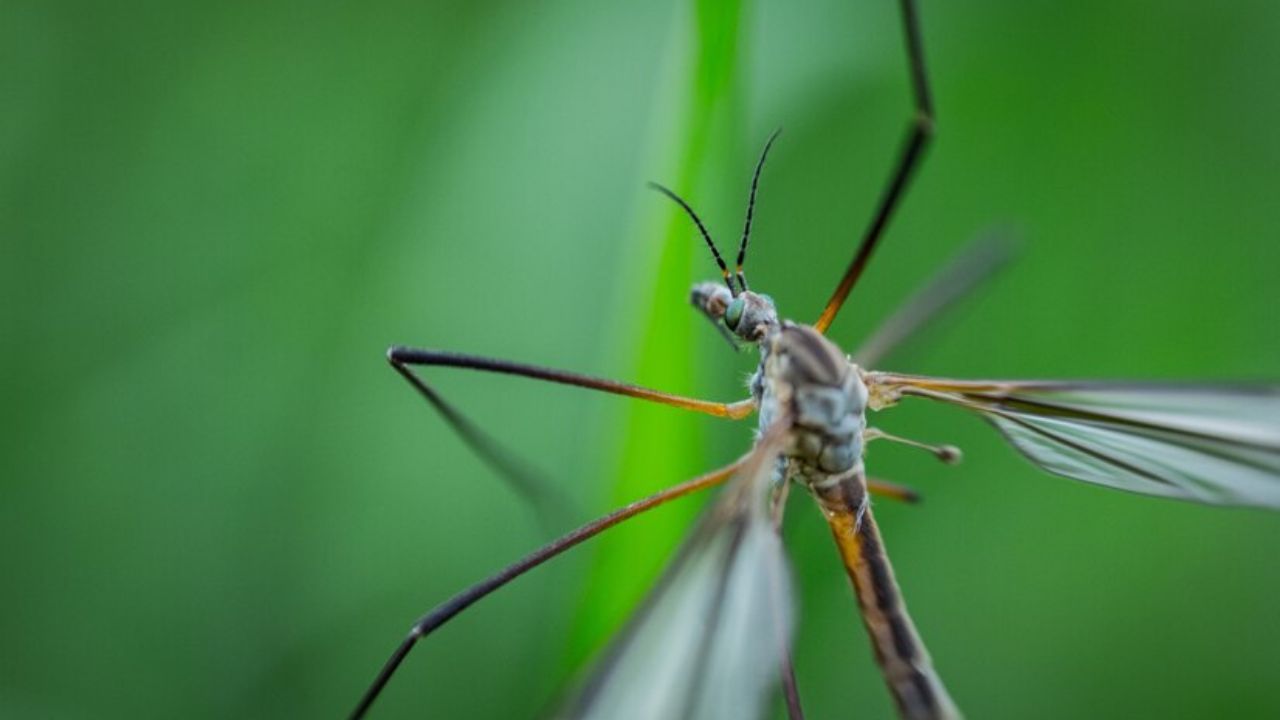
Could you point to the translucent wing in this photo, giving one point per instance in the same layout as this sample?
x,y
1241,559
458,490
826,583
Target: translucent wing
x,y
1216,444
709,641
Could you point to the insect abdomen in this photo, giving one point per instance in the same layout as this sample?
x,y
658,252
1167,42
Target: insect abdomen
x,y
908,671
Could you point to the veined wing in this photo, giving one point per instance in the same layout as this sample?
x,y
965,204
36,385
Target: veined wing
x,y
710,639
1216,444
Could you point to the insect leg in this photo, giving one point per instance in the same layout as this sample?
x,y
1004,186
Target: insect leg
x,y
522,478
892,490
506,464
402,357
444,612
790,690
919,131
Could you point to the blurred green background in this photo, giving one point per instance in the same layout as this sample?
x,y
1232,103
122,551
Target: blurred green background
x,y
218,501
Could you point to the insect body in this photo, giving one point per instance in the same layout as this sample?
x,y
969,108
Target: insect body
x,y
713,636
808,388
828,401
826,397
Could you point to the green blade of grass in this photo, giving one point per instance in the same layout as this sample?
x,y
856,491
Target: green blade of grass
x,y
660,445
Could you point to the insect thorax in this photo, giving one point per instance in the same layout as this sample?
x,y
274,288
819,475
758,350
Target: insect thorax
x,y
823,393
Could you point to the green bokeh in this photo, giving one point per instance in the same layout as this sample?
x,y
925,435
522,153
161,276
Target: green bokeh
x,y
218,501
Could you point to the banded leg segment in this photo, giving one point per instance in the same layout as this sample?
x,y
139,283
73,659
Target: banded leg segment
x,y
447,610
919,132
908,671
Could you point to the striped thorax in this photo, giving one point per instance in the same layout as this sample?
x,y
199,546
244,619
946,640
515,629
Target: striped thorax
x,y
806,375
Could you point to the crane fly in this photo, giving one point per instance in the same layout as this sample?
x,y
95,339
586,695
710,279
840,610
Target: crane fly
x,y
712,638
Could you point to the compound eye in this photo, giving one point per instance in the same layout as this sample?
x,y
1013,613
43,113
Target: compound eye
x,y
733,315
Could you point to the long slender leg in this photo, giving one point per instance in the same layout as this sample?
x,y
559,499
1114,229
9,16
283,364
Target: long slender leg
x,y
399,357
548,501
892,490
790,689
528,483
444,612
919,131
974,266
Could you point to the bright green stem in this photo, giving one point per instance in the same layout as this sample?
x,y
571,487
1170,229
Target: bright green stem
x,y
661,445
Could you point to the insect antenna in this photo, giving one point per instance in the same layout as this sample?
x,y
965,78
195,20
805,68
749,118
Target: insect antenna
x,y
724,269
751,205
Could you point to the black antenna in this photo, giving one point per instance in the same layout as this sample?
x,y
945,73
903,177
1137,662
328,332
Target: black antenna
x,y
751,205
724,269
